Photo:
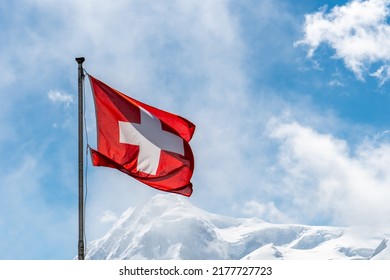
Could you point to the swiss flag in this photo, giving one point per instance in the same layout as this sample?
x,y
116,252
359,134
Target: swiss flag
x,y
142,141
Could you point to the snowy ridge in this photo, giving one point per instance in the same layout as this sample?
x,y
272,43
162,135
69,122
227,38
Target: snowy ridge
x,y
169,227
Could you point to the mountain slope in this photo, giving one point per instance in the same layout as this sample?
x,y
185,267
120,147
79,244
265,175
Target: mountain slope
x,y
169,227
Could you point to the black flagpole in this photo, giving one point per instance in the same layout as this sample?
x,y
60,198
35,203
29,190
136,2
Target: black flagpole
x,y
81,250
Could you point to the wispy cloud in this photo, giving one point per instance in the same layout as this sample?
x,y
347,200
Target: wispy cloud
x,y
358,32
29,221
267,211
61,97
108,217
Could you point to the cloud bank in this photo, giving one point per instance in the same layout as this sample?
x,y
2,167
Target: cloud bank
x,y
327,178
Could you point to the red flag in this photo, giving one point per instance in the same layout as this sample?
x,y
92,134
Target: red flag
x,y
142,141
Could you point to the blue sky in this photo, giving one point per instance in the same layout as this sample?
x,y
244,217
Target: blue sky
x,y
290,99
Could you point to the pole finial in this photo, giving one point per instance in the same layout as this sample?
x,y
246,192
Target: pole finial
x,y
80,59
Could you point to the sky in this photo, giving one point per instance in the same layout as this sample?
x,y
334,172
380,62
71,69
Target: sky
x,y
289,98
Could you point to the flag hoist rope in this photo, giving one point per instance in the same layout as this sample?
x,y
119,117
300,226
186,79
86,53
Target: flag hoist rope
x,y
81,248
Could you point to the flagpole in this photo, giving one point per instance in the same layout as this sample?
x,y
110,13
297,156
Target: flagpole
x,y
81,250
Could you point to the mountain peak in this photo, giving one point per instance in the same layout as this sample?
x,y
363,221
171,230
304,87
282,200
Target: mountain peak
x,y
170,227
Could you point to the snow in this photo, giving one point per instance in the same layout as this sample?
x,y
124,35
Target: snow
x,y
170,227
382,252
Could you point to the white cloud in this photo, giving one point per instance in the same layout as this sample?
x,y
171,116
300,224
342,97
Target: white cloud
x,y
108,217
266,211
61,97
358,32
328,179
382,74
335,83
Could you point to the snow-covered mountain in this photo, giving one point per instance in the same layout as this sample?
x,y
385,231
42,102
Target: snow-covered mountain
x,y
170,227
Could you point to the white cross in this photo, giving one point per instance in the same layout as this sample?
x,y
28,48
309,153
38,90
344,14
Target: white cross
x,y
151,139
